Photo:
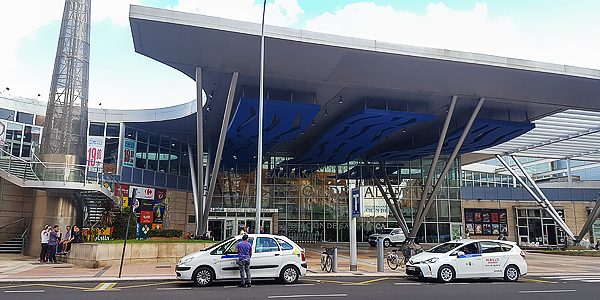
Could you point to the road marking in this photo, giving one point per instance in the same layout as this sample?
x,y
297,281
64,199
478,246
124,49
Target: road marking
x,y
300,284
31,291
535,280
14,286
150,284
356,284
548,291
407,283
330,281
590,280
173,288
307,296
105,286
378,279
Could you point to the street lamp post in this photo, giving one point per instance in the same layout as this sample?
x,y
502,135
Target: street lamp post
x,y
260,124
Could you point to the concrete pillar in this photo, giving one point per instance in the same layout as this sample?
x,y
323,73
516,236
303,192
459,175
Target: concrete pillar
x,y
52,209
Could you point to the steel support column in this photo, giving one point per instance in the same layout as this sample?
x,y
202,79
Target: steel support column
x,y
386,178
535,197
194,187
549,205
378,183
434,162
222,136
590,221
438,185
200,150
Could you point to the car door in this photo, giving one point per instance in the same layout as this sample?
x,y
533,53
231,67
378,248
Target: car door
x,y
266,258
494,259
470,264
397,236
227,266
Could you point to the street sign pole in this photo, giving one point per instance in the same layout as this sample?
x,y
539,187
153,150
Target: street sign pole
x,y
353,250
130,207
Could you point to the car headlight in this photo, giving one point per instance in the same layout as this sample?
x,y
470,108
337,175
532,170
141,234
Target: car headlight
x,y
185,261
431,260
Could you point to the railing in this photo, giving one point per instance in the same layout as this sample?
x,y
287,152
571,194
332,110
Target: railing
x,y
10,230
37,170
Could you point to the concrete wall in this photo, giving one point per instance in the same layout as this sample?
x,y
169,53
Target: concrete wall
x,y
101,255
15,202
182,205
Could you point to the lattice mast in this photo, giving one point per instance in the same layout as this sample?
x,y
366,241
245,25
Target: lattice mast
x,y
65,127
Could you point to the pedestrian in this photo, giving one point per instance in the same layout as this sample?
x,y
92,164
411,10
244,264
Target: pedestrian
x,y
502,237
44,239
66,242
77,237
52,243
244,251
262,230
245,230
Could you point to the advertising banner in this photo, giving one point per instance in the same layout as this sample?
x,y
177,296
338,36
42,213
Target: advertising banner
x,y
143,230
146,205
104,234
160,194
95,153
374,203
122,191
481,221
142,192
128,153
2,132
146,217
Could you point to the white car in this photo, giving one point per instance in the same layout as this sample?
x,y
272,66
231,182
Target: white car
x,y
273,256
469,259
390,236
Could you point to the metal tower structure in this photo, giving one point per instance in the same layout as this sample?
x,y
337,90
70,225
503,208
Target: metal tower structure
x,y
65,127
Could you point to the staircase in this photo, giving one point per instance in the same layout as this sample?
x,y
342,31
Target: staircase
x,y
14,246
18,167
93,203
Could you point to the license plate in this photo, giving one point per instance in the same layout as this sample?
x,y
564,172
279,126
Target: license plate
x,y
409,268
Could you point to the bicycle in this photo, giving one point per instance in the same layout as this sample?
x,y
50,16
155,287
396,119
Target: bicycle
x,y
394,261
327,259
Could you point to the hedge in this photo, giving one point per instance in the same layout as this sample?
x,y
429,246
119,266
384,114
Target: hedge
x,y
165,233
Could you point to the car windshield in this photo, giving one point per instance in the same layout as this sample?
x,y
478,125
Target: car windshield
x,y
385,231
217,245
443,248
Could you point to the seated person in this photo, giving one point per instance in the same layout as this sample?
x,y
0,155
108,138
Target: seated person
x,y
469,249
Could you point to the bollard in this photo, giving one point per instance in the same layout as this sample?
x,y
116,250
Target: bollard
x,y
334,268
379,255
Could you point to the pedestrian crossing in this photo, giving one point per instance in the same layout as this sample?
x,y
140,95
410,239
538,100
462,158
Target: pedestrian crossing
x,y
580,278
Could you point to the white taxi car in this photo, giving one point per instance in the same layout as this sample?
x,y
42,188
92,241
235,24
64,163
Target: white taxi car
x,y
469,259
273,256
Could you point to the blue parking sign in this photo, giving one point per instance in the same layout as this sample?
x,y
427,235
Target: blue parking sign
x,y
356,202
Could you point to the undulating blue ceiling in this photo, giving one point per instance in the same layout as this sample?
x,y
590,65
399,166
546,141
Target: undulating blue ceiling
x,y
352,136
282,122
483,134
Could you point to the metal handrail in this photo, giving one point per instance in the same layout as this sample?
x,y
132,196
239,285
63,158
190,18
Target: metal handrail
x,y
19,220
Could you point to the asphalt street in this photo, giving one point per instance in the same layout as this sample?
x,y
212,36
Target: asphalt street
x,y
531,288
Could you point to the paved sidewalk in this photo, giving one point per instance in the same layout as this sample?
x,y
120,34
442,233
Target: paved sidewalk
x,y
19,268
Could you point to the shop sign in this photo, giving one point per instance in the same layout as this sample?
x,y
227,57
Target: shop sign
x,y
146,217
95,153
242,210
143,230
128,153
104,234
142,192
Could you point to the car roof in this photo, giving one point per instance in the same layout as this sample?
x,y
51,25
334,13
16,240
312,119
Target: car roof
x,y
482,240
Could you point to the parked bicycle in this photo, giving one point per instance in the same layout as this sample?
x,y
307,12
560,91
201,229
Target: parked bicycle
x,y
394,261
327,259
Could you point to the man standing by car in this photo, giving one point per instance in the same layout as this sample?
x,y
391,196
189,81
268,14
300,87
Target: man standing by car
x,y
502,237
244,250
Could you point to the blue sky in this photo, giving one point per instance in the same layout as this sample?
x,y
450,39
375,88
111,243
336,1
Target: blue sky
x,y
562,32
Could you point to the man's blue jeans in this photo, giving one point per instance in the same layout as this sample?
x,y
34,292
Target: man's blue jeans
x,y
244,265
52,251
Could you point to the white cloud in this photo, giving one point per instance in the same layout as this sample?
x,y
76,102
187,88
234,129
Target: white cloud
x,y
471,31
115,10
278,12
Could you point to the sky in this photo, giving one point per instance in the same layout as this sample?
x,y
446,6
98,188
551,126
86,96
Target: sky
x,y
554,31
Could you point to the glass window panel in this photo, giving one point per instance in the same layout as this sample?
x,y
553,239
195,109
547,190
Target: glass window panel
x,y
111,149
455,211
176,145
163,164
23,117
184,165
7,114
26,150
443,211
265,244
96,129
431,215
141,155
152,158
174,165
154,139
113,130
27,135
165,141
444,232
16,149
432,232
142,136
130,133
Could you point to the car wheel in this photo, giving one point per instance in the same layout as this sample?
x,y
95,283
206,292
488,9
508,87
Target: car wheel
x,y
386,243
446,274
203,276
511,273
289,274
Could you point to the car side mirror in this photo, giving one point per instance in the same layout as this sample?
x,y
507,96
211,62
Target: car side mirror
x,y
392,233
460,253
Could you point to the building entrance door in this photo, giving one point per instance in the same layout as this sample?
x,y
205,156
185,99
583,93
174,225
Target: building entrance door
x,y
216,226
550,234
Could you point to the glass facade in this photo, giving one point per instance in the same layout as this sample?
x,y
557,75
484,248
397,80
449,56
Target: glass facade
x,y
479,179
313,200
536,226
20,138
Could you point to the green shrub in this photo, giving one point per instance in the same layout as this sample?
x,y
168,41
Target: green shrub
x,y
165,233
120,224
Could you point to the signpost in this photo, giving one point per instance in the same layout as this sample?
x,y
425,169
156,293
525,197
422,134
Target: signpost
x,y
355,198
127,233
